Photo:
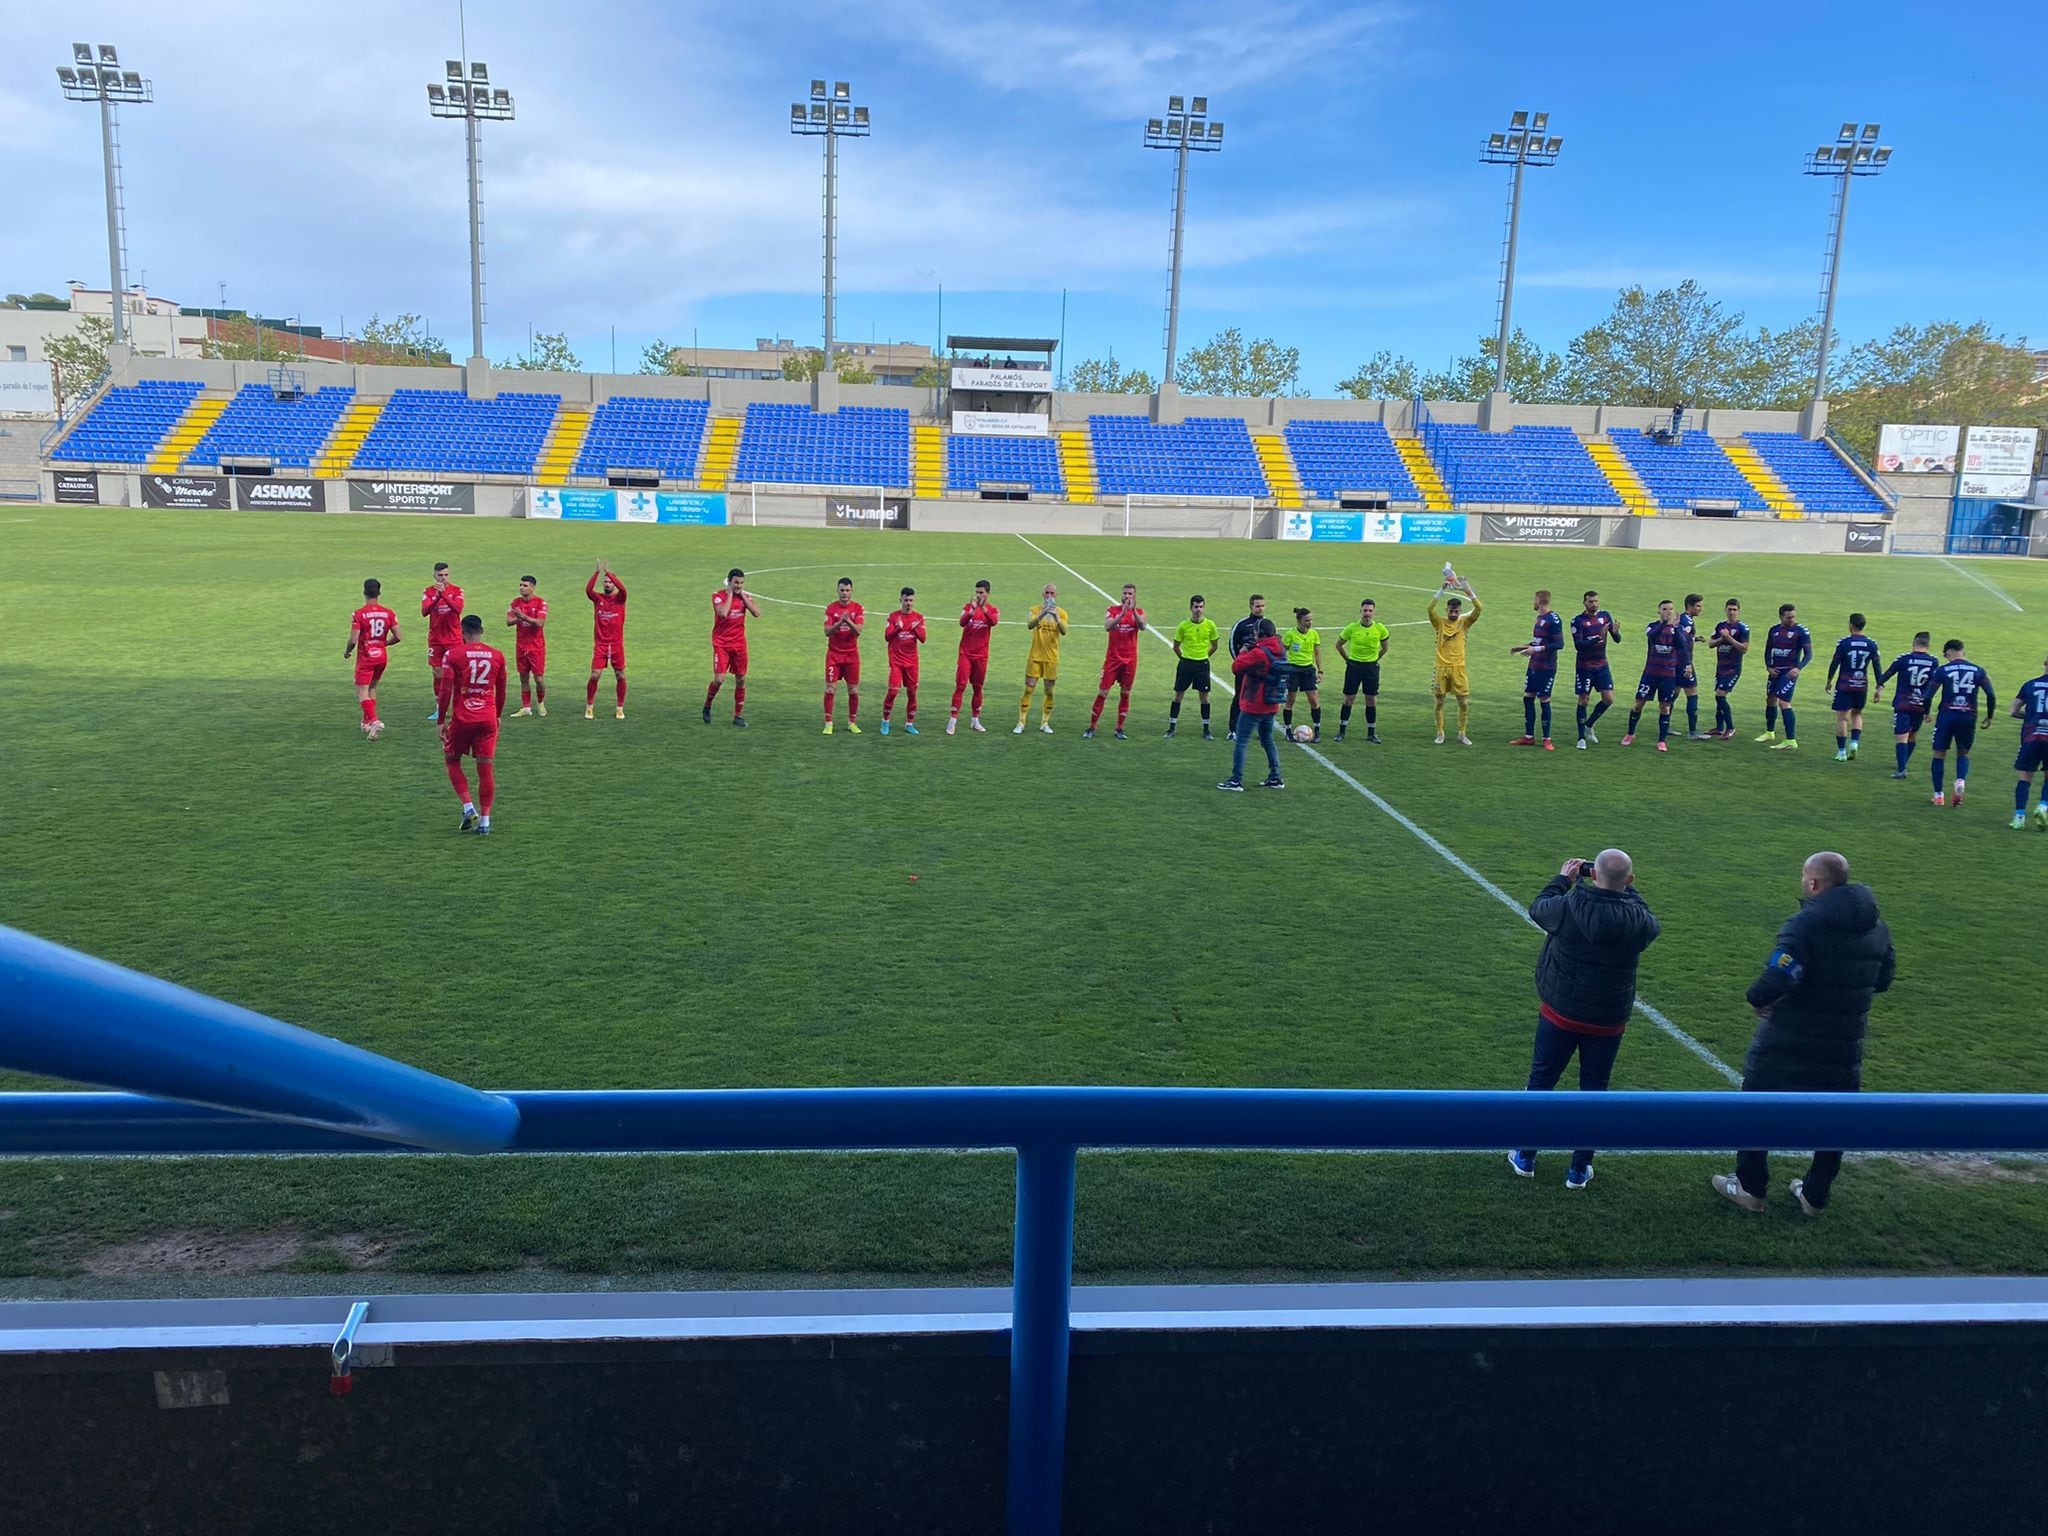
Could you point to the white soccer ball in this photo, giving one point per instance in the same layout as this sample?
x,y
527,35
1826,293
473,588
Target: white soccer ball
x,y
1303,733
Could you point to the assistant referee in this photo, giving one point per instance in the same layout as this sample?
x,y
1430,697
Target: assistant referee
x,y
1194,641
1363,646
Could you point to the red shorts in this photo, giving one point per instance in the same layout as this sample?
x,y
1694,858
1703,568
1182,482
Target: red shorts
x,y
531,659
902,674
369,669
478,738
1115,672
608,653
842,669
728,658
971,669
434,655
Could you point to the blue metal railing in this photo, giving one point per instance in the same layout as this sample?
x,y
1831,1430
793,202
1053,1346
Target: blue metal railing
x,y
1863,470
63,1013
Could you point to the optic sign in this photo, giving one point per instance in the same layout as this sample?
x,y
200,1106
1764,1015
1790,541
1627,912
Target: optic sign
x,y
1917,450
1997,461
1004,381
28,389
1000,424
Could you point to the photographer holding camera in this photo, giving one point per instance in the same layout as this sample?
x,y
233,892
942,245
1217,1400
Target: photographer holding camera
x,y
1596,926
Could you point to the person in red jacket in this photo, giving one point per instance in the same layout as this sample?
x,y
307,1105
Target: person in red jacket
x,y
1263,678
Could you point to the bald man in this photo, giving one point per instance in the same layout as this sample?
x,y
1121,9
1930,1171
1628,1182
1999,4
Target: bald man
x,y
1596,927
1812,1004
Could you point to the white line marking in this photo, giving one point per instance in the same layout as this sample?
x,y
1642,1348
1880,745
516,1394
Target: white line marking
x,y
1963,570
1711,559
1443,852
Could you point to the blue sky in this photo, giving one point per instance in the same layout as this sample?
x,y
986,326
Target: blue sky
x,y
651,185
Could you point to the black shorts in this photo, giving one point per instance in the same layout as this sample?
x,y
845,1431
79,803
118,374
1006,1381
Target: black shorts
x,y
1191,674
1361,677
1304,679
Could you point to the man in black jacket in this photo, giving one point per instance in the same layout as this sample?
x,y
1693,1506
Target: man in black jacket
x,y
1812,1004
1596,926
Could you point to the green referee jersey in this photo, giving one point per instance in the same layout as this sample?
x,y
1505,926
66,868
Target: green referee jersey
x,y
1301,645
1362,642
1197,642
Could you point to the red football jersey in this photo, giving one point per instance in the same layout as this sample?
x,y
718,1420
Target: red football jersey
x,y
475,683
728,619
1124,625
904,633
608,611
837,644
375,625
975,623
534,607
442,607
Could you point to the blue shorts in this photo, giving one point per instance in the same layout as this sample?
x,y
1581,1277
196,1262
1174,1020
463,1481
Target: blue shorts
x,y
2033,757
1539,682
1851,698
1663,689
1954,730
1593,680
1724,682
1780,687
1904,724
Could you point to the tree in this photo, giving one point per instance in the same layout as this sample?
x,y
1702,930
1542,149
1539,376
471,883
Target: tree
x,y
1657,348
930,376
549,353
238,339
805,365
80,358
659,357
1101,376
1776,370
1383,376
1229,365
398,342
1943,372
1533,374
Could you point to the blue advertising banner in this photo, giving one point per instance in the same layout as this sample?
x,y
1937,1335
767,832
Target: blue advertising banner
x,y
1324,527
706,508
588,506
1433,528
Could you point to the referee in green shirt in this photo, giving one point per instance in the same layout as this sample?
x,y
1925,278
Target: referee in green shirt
x,y
1194,642
1363,646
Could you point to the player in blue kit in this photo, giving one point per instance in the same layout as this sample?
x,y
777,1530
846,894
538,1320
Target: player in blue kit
x,y
2030,708
1730,642
1688,675
1915,671
1592,629
1663,659
1958,685
1544,644
1856,655
1787,648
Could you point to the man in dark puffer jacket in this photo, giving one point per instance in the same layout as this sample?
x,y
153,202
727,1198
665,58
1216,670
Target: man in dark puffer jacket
x,y
1596,927
1812,1004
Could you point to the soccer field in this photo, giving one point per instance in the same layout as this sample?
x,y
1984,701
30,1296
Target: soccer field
x,y
665,904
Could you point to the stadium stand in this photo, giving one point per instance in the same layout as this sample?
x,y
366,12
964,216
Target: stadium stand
x,y
1695,468
635,432
260,423
1813,473
442,429
1337,456
128,423
1033,461
857,445
1534,465
1202,456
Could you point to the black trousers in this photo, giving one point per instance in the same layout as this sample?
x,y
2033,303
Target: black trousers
x,y
1753,1167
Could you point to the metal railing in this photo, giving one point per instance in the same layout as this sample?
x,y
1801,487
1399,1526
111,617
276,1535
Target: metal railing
x,y
228,1081
1863,470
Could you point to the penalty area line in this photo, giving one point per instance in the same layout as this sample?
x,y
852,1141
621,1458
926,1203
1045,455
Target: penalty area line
x,y
1442,851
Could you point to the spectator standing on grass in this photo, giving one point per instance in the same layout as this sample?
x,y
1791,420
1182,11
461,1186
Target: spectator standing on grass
x,y
1812,1004
1263,679
1596,927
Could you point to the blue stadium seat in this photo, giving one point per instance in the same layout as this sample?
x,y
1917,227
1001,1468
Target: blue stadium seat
x,y
644,432
856,445
1540,466
1033,461
258,423
444,431
1202,456
1695,468
128,423
1814,473
1336,456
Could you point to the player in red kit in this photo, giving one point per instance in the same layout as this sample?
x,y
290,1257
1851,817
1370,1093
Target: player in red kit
x,y
1120,667
843,621
976,620
730,605
607,596
371,629
903,634
528,617
441,607
472,698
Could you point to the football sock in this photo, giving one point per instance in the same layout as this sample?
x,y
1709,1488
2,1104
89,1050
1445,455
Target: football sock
x,y
1372,715
369,710
1045,713
1962,766
1343,714
622,692
1464,715
1123,707
1937,767
459,779
1528,717
1205,710
1856,737
1791,730
1598,710
888,703
1692,712
2019,798
712,692
828,706
1315,717
1724,714
739,698
1095,714
853,704
1903,751
1841,742
909,704
974,703
1663,726
486,786
1287,715
590,693
1634,718
540,689
525,694
1439,716
1582,719
1770,717
1024,706
1173,711
1546,719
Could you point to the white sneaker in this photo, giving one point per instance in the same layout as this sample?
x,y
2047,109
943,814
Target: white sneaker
x,y
1017,729
1464,740
951,726
1045,728
1439,738
974,724
1582,743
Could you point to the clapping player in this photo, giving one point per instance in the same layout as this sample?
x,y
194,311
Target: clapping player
x,y
902,633
1545,642
527,616
730,606
607,596
843,621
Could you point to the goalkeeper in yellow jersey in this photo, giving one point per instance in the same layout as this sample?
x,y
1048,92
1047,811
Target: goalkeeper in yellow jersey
x,y
1451,626
1045,623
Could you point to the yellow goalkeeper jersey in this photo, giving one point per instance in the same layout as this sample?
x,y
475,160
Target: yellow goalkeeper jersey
x,y
1450,633
1045,639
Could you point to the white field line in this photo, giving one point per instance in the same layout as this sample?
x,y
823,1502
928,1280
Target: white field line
x,y
1444,853
1964,570
1711,559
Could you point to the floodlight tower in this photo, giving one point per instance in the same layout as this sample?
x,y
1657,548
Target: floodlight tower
x,y
1185,127
95,74
830,118
1854,153
467,94
1527,141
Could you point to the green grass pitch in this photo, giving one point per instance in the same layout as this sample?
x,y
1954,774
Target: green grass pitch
x,y
666,904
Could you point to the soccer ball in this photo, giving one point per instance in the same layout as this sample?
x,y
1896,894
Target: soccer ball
x,y
1303,733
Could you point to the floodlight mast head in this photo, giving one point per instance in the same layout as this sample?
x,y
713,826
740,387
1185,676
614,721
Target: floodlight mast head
x,y
1527,141
1855,152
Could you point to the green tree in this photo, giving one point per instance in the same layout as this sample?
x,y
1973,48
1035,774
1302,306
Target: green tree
x,y
1943,372
1102,376
659,357
80,358
930,376
398,342
1227,364
1775,372
1656,348
238,340
1533,374
1383,376
804,366
549,352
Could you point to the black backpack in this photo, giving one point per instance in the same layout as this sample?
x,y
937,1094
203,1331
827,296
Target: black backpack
x,y
1274,682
